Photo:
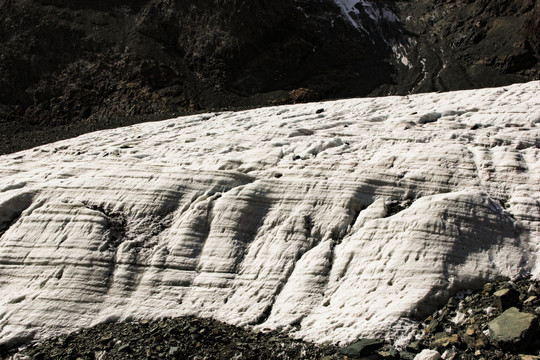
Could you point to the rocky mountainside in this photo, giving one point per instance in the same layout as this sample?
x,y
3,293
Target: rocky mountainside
x,y
459,44
68,67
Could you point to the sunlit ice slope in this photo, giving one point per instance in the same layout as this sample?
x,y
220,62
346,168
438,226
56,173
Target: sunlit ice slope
x,y
333,220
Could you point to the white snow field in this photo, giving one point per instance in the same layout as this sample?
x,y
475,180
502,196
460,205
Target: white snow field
x,y
336,224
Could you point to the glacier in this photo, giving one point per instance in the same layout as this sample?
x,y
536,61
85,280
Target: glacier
x,y
331,220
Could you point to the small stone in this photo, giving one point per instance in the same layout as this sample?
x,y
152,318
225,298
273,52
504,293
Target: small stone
x,y
124,347
173,350
481,342
452,303
105,339
362,347
469,340
449,354
488,288
506,298
477,353
414,347
529,357
433,326
389,352
319,111
428,354
442,340
530,300
406,355
533,290
470,331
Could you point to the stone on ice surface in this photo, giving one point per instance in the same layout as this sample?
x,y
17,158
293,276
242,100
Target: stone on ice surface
x,y
142,222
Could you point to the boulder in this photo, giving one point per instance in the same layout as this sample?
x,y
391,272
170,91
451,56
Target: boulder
x,y
514,329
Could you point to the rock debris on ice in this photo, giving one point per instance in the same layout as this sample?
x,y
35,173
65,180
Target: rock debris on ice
x,y
350,222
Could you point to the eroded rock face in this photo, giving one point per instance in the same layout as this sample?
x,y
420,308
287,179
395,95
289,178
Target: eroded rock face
x,y
281,216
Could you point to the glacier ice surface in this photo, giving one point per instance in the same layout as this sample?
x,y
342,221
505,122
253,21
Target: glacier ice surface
x,y
349,222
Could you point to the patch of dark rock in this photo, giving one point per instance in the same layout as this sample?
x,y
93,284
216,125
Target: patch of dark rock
x,y
467,44
395,206
175,338
362,347
116,226
13,209
75,66
428,118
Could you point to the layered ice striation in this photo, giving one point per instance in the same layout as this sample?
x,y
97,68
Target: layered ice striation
x,y
334,220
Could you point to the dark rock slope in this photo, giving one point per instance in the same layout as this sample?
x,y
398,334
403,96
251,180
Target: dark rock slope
x,y
465,44
67,62
68,67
